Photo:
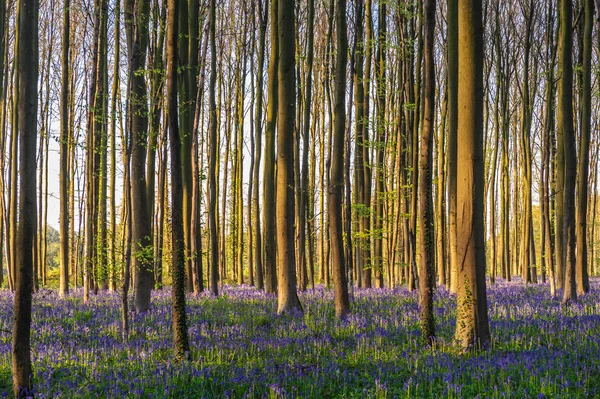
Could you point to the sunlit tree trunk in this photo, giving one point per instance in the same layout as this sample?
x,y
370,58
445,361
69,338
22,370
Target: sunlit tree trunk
x,y
285,214
583,284
452,71
379,214
545,178
263,13
269,242
472,329
113,152
212,171
28,114
64,153
367,273
525,142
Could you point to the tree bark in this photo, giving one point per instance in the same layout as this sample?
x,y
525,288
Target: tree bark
x,y
426,228
64,153
270,249
285,214
180,335
137,25
452,71
336,183
27,130
583,283
472,329
565,105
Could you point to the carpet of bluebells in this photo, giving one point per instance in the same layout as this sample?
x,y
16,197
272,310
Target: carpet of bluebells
x,y
242,349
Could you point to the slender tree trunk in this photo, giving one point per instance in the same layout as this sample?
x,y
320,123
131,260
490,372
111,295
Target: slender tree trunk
x,y
137,25
359,143
303,203
336,183
180,334
64,153
583,284
212,172
452,71
379,214
263,14
286,251
113,151
3,109
270,249
426,229
526,116
472,329
196,229
28,114
565,105
367,273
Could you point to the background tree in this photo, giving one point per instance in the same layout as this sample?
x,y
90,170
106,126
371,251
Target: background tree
x,y
583,284
212,174
64,153
270,251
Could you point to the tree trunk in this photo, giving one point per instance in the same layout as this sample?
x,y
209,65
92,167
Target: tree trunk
x,y
472,329
27,130
137,25
270,249
64,153
180,335
263,15
426,229
379,214
583,284
212,172
285,214
452,71
565,106
336,183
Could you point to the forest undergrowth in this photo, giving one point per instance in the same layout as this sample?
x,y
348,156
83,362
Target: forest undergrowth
x,y
242,349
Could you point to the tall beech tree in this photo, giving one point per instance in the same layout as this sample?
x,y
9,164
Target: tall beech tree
x,y
336,183
472,328
380,124
263,16
269,243
583,283
64,152
136,24
180,335
565,110
452,88
426,230
28,64
213,142
286,114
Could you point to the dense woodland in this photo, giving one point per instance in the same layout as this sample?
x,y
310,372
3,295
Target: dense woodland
x,y
290,144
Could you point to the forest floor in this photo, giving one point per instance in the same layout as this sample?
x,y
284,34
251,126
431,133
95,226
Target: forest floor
x,y
241,349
